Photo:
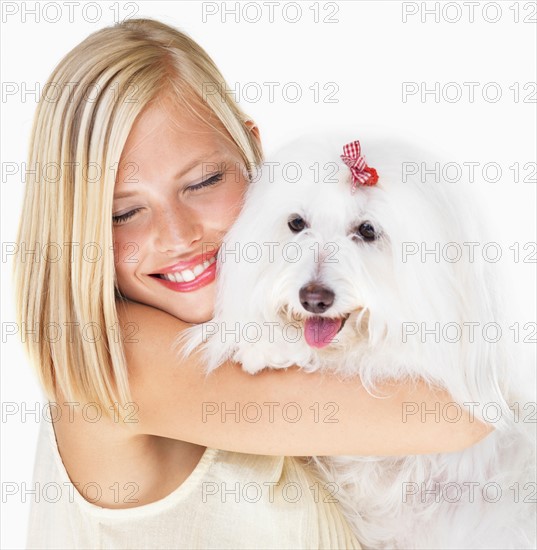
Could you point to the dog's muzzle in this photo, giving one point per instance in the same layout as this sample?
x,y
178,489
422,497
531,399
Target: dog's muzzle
x,y
316,298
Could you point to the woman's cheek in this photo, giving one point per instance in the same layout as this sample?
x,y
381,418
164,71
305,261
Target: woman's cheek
x,y
127,256
123,267
127,253
128,242
227,205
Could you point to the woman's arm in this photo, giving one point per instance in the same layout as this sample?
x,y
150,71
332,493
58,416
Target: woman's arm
x,y
278,412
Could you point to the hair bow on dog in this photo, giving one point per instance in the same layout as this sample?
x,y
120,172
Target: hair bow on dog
x,y
361,173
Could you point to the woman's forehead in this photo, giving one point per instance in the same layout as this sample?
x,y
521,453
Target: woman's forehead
x,y
167,122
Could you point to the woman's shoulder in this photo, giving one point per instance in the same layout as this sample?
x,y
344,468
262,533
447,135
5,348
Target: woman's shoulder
x,y
145,332
96,449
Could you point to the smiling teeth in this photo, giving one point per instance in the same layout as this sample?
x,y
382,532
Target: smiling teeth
x,y
188,275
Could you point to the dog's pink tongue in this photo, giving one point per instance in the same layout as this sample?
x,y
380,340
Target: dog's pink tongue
x,y
319,331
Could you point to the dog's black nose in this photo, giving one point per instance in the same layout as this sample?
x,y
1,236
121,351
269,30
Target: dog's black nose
x,y
316,298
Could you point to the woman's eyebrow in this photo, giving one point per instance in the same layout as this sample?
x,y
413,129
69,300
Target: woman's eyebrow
x,y
124,194
195,163
192,164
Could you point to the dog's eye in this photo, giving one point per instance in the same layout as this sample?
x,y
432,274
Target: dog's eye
x,y
296,223
367,231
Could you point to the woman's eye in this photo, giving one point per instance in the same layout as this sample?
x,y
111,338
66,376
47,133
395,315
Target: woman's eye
x,y
210,181
124,217
367,231
296,223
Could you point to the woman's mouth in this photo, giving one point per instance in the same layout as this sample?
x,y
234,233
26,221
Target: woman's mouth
x,y
192,278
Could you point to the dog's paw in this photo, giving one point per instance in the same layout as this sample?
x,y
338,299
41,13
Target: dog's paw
x,y
254,358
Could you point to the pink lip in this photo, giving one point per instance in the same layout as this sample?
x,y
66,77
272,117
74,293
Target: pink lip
x,y
199,259
203,279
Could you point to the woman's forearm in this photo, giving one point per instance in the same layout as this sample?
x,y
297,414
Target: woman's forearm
x,y
281,412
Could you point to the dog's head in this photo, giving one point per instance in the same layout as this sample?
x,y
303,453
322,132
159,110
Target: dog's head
x,y
376,270
359,263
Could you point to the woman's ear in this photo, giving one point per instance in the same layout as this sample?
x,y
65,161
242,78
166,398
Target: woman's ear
x,y
254,130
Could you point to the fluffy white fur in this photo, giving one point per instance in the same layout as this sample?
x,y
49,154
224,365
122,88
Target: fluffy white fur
x,y
378,291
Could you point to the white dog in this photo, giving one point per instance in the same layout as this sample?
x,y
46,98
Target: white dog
x,y
383,282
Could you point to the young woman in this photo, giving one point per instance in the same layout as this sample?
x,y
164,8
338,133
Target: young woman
x,y
147,451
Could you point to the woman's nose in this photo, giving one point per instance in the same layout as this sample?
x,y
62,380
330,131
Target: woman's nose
x,y
177,230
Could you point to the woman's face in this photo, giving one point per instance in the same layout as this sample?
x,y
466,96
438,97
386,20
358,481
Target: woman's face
x,y
179,188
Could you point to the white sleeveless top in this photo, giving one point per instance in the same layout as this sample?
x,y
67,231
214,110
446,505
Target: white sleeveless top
x,y
230,500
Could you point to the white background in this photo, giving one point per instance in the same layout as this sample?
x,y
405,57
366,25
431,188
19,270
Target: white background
x,y
368,53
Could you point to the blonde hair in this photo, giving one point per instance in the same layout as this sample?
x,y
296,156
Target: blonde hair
x,y
86,111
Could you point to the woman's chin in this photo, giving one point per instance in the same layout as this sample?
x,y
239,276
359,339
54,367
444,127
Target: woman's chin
x,y
201,312
197,319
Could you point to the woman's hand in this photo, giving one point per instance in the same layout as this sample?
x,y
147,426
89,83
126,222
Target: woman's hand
x,y
278,412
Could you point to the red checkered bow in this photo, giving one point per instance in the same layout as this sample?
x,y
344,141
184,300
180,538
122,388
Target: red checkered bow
x,y
361,173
